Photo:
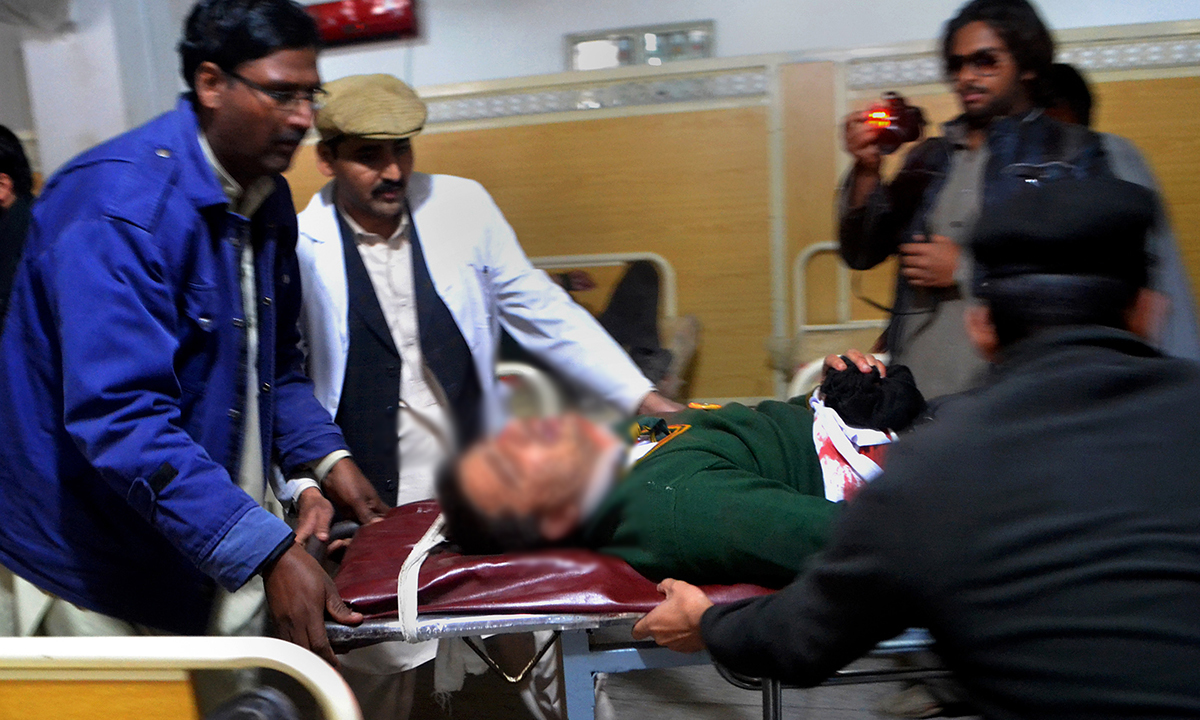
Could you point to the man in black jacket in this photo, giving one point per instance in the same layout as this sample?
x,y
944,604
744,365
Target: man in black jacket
x,y
996,54
1045,528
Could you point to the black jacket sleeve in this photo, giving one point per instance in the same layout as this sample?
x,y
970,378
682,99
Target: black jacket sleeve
x,y
851,599
868,235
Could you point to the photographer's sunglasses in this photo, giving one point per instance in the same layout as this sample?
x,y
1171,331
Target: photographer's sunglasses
x,y
985,62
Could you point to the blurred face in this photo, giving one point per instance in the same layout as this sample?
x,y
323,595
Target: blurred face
x,y
536,469
252,131
984,75
371,177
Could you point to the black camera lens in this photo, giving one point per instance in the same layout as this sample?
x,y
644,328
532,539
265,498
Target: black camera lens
x,y
898,122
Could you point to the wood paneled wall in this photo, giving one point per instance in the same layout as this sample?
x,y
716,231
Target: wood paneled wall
x,y
1162,117
690,186
694,187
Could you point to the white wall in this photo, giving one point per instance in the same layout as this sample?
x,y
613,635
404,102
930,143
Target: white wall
x,y
119,67
14,96
114,67
468,40
75,84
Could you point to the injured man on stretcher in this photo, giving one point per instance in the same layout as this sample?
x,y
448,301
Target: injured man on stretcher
x,y
714,496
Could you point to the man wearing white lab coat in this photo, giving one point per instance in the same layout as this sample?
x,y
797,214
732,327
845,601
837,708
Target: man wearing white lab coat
x,y
407,279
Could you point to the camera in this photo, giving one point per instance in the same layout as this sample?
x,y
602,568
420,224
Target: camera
x,y
897,122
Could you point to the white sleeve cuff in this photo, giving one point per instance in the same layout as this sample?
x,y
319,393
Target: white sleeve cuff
x,y
290,491
322,468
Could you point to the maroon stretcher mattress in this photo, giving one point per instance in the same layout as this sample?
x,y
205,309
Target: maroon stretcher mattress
x,y
544,581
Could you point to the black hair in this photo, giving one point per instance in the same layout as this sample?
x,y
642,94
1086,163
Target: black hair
x,y
1019,26
473,532
14,163
1068,87
869,400
1023,306
231,32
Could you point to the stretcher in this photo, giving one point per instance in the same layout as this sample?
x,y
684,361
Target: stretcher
x,y
408,593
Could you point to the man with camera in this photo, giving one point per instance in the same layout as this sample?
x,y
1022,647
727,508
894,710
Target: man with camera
x,y
996,55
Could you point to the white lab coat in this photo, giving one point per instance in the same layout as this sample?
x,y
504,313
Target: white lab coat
x,y
483,276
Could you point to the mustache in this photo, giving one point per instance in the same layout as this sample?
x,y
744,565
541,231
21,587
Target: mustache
x,y
388,186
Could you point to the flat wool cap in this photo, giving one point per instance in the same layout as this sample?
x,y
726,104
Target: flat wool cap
x,y
378,107
1094,227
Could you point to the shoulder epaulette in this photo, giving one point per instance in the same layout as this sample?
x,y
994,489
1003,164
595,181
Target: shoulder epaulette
x,y
141,190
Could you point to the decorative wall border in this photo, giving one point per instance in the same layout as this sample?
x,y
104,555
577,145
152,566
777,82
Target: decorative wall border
x,y
1137,54
745,83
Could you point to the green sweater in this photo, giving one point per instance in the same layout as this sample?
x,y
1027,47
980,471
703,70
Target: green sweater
x,y
734,495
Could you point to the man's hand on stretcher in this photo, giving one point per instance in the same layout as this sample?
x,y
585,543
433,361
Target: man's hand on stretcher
x,y
299,591
299,594
350,491
675,623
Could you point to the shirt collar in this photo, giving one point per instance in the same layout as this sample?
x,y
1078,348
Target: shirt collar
x,y
362,235
244,201
955,131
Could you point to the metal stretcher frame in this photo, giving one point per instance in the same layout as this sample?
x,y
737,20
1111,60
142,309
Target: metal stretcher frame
x,y
582,658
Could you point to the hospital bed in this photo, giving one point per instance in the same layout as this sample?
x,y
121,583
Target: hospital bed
x,y
575,594
843,333
531,391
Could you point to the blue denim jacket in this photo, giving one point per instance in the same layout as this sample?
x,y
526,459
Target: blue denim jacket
x,y
122,382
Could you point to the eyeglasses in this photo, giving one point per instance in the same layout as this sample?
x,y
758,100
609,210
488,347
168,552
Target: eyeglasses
x,y
286,99
984,62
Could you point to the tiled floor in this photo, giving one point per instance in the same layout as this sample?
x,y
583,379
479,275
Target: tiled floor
x,y
692,693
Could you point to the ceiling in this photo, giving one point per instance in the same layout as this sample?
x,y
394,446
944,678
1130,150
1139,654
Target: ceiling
x,y
40,14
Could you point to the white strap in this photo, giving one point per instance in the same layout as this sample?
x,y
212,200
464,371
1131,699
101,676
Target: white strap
x,y
406,584
846,440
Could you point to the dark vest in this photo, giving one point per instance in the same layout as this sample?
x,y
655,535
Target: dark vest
x,y
371,389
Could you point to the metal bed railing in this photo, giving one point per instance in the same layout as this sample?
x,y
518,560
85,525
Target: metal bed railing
x,y
666,273
844,295
126,659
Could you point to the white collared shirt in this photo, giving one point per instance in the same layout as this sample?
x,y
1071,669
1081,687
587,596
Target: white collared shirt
x,y
424,424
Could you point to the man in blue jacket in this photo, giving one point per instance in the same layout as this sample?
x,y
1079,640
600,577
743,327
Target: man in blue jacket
x,y
149,368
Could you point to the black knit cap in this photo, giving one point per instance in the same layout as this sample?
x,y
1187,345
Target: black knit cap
x,y
1066,231
867,400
